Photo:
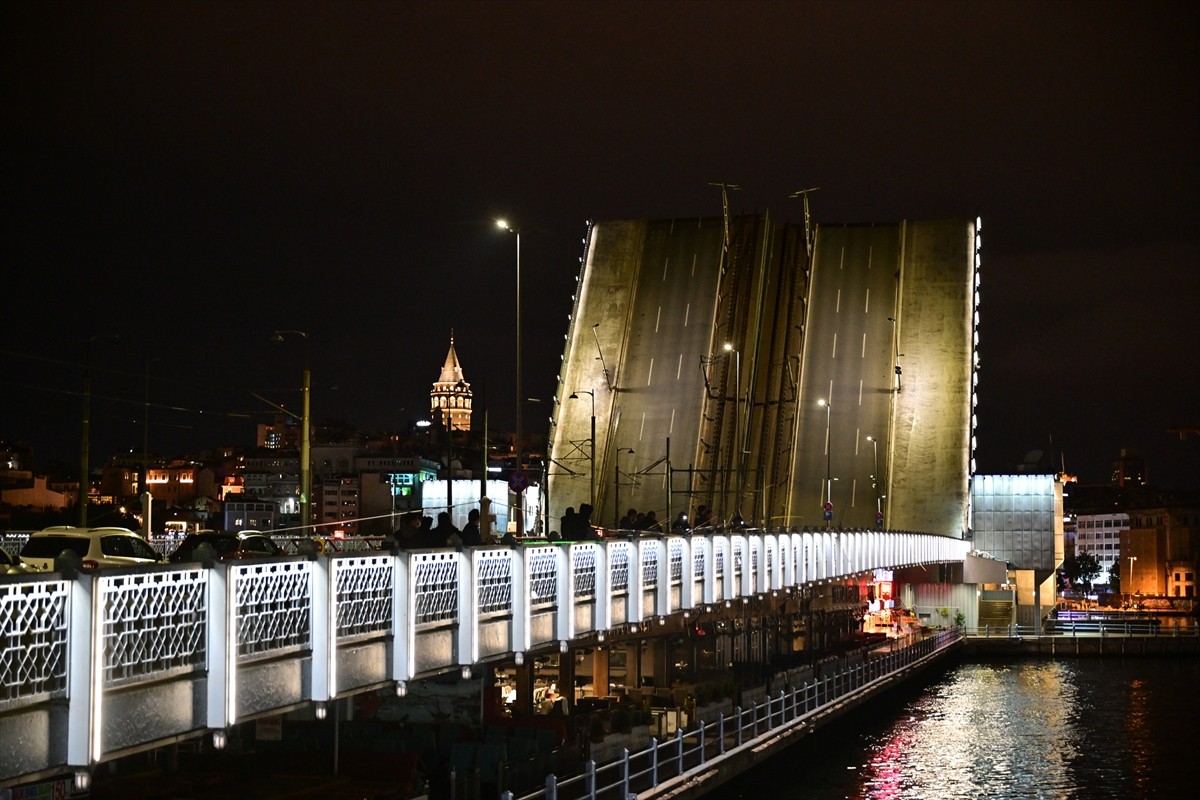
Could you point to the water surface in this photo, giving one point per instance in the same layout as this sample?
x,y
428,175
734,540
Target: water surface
x,y
1036,728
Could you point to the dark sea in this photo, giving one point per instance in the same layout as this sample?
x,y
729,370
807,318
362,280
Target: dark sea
x,y
1037,728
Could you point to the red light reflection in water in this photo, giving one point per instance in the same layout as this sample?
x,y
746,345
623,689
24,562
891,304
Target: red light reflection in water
x,y
884,776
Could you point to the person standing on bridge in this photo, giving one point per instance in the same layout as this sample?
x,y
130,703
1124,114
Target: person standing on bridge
x,y
585,532
470,531
629,520
445,534
566,523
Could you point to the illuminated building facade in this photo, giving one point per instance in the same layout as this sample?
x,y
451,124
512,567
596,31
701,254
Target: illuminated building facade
x,y
339,509
1159,551
450,400
1099,535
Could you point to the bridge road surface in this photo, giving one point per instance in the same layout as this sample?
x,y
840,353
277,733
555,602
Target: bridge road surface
x,y
849,360
661,393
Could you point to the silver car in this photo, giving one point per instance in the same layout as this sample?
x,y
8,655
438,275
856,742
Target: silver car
x,y
96,548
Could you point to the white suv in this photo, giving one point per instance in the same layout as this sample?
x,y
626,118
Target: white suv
x,y
96,547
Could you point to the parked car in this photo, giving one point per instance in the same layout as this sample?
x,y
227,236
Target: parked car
x,y
227,546
96,547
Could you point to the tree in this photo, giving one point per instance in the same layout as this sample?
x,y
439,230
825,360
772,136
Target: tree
x,y
1080,570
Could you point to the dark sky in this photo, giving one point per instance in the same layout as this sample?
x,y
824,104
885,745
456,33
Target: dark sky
x,y
192,176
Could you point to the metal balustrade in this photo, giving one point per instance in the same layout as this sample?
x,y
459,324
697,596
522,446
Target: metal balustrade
x,y
145,655
667,763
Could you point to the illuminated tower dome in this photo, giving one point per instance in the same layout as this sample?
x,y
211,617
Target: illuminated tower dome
x,y
450,400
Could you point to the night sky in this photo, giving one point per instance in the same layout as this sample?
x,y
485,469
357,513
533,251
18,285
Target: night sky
x,y
193,176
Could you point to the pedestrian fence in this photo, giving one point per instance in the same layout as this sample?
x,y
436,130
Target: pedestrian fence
x,y
705,745
1088,628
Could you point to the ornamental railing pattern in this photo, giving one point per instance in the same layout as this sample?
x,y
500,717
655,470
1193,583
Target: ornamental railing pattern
x,y
649,568
273,607
435,587
494,582
33,640
153,623
363,591
543,576
583,568
618,559
675,560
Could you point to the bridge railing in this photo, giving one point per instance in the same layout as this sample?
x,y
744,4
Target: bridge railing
x,y
665,763
1093,628
139,655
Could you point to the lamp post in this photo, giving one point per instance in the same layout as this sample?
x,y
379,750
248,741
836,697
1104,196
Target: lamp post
x,y
147,498
305,460
86,441
737,424
896,350
828,504
1130,592
875,473
517,442
575,396
617,484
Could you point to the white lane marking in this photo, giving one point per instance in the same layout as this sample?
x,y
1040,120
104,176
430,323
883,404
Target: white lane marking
x,y
860,384
834,355
657,319
671,427
864,346
867,304
650,373
837,307
687,310
679,368
666,262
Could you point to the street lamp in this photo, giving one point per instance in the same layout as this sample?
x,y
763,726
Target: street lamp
x,y
875,473
828,505
305,460
517,443
85,483
575,396
1130,591
896,350
147,498
617,483
737,423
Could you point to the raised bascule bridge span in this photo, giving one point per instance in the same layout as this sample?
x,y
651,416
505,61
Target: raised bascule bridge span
x,y
740,366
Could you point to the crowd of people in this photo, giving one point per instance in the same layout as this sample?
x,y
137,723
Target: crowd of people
x,y
635,520
417,531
